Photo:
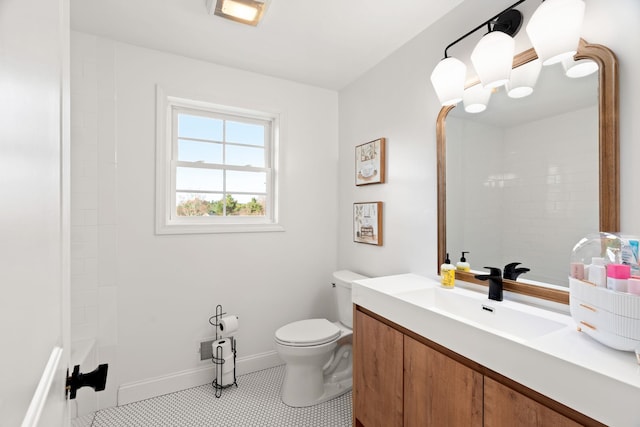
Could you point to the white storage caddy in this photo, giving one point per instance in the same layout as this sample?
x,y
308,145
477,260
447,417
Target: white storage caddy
x,y
610,317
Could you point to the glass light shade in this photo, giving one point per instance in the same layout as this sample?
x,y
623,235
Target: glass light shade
x,y
448,80
493,58
523,79
476,98
579,68
554,29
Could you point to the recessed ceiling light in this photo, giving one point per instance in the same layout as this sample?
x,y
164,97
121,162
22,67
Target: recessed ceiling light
x,y
243,11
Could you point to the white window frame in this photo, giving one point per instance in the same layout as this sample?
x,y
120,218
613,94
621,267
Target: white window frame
x,y
167,222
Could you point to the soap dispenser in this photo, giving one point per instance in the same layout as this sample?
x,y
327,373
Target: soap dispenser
x,y
463,265
447,274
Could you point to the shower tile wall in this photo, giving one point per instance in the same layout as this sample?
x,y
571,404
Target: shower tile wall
x,y
93,202
549,175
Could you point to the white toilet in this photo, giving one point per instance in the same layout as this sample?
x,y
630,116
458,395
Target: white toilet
x,y
317,352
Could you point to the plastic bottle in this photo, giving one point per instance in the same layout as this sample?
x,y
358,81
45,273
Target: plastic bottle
x,y
447,274
633,287
598,272
463,265
617,276
577,270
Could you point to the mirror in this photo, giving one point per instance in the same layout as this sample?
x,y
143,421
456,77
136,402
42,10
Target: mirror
x,y
604,204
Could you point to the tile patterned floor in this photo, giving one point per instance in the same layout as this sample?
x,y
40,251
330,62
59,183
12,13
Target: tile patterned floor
x,y
254,403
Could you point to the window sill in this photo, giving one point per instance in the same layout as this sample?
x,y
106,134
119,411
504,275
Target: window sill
x,y
216,228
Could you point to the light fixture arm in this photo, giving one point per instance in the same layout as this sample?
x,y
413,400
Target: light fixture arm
x,y
511,25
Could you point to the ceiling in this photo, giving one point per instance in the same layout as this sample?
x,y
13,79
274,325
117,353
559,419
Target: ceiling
x,y
327,44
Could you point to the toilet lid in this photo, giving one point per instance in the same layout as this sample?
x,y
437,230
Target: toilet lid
x,y
308,332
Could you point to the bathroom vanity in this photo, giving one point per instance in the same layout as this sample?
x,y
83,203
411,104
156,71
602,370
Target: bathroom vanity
x,y
424,355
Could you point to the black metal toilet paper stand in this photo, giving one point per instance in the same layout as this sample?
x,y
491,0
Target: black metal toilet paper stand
x,y
218,356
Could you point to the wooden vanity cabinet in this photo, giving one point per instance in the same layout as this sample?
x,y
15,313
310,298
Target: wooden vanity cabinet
x,y
506,407
377,375
438,391
402,379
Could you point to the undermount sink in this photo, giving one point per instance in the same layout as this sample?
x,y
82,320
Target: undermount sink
x,y
519,321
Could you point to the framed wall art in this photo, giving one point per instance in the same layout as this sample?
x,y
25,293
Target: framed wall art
x,y
370,162
367,223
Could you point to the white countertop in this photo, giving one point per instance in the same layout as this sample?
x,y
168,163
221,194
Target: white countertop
x,y
565,365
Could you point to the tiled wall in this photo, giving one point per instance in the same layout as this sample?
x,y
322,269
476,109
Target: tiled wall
x,y
555,191
93,204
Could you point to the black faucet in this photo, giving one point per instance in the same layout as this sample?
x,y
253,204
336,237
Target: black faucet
x,y
512,273
495,282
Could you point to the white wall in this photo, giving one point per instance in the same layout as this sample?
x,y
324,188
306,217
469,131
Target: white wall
x,y
161,290
395,100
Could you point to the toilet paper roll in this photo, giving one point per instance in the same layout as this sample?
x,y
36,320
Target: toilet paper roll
x,y
228,325
228,364
225,344
227,378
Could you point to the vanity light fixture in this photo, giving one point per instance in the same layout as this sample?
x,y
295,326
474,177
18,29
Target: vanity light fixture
x,y
554,29
243,11
492,57
448,80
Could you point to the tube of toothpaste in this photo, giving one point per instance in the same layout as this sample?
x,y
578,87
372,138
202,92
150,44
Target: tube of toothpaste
x,y
629,254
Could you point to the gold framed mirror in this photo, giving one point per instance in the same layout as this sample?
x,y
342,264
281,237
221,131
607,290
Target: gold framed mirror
x,y
609,177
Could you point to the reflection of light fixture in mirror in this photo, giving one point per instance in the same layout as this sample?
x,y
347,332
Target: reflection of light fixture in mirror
x,y
244,11
523,79
476,98
554,29
448,80
579,68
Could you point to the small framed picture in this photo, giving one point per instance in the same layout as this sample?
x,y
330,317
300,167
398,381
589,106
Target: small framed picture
x,y
367,223
370,161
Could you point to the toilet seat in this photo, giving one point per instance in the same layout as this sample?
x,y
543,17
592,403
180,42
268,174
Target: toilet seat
x,y
306,333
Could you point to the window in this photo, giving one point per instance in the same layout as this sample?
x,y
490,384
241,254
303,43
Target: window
x,y
215,170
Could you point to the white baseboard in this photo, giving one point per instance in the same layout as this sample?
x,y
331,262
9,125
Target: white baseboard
x,y
140,390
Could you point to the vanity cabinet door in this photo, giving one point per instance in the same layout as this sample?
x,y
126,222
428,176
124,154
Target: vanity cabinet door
x,y
377,382
507,407
438,391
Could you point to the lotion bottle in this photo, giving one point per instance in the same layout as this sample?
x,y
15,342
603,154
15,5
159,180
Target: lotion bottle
x,y
463,265
447,274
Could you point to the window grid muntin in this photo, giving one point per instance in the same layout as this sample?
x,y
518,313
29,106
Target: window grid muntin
x,y
267,125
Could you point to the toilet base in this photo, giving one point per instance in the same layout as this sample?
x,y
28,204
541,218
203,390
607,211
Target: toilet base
x,y
315,374
332,389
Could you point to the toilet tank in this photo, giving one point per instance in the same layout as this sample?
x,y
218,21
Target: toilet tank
x,y
342,280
